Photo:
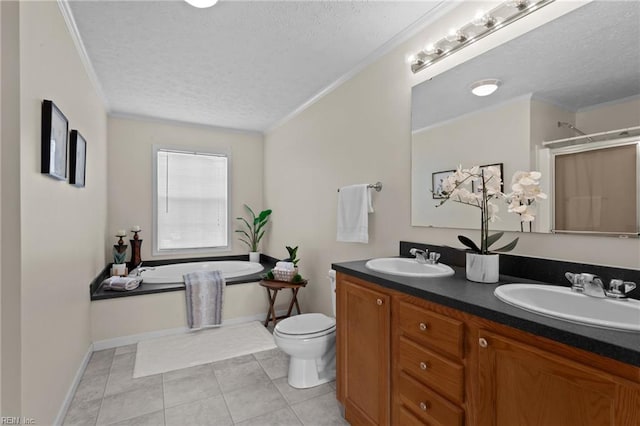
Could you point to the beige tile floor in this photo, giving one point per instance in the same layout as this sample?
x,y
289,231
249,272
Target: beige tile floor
x,y
247,390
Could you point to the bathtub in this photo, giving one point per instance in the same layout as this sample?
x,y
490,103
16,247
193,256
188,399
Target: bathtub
x,y
173,273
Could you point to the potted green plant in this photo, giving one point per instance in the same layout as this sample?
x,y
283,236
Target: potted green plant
x,y
252,230
289,275
293,258
293,255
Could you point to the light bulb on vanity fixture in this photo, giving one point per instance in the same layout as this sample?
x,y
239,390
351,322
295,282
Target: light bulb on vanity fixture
x,y
518,4
431,50
484,20
485,87
481,25
201,4
455,36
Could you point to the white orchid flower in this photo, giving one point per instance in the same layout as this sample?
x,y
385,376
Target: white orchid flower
x,y
525,188
493,210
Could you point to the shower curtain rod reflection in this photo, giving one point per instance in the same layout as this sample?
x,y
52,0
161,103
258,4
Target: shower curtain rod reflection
x,y
377,186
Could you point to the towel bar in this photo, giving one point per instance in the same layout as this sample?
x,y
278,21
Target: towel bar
x,y
377,186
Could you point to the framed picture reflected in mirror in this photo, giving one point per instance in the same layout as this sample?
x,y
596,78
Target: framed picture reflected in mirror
x,y
476,187
436,183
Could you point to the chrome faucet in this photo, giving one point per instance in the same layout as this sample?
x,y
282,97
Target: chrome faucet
x,y
592,285
423,256
615,291
139,270
433,258
588,284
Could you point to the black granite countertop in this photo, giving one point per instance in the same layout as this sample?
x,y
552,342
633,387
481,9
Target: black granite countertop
x,y
478,299
97,292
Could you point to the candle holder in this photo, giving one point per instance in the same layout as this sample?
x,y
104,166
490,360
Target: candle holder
x,y
136,244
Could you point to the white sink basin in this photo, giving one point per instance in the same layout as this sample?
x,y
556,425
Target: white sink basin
x,y
564,304
408,267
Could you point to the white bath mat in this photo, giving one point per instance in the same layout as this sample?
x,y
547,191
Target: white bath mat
x,y
200,347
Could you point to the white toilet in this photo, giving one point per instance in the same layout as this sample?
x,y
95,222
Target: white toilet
x,y
310,342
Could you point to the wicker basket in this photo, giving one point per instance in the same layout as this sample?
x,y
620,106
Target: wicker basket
x,y
281,275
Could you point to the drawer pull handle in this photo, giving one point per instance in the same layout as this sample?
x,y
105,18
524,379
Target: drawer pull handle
x,y
424,365
483,342
424,406
423,326
379,302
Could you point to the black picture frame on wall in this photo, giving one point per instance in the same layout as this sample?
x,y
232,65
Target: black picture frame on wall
x,y
436,183
77,159
477,188
55,130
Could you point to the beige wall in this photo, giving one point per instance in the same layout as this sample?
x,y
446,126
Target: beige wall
x,y
63,227
493,135
10,368
360,132
611,116
130,203
130,174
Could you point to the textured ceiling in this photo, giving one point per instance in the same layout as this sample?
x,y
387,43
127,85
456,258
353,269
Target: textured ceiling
x,y
584,58
243,65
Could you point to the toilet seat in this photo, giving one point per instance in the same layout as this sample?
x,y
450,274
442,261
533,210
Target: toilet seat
x,y
306,326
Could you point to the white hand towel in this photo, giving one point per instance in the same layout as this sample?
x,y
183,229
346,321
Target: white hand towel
x,y
121,283
354,204
285,266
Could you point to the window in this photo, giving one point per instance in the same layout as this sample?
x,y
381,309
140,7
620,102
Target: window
x,y
191,199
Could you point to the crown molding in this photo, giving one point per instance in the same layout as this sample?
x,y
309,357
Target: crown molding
x,y
437,12
168,121
67,14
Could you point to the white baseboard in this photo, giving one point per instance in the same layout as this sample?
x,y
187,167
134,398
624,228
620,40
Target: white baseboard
x,y
135,338
74,385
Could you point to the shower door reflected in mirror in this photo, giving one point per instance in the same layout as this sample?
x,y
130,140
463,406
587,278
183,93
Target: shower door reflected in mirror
x,y
565,71
596,188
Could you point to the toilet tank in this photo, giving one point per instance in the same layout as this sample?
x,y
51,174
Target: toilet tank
x,y
332,278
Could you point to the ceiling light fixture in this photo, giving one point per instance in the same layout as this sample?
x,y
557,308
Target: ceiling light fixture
x,y
201,4
485,87
480,26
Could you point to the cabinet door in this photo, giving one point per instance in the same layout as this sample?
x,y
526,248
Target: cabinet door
x,y
523,385
363,348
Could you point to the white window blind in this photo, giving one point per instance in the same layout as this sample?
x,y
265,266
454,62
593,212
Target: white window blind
x,y
191,200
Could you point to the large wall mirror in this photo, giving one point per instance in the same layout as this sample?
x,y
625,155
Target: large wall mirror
x,y
578,74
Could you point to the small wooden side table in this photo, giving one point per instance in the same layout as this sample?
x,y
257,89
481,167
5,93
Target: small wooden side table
x,y
273,287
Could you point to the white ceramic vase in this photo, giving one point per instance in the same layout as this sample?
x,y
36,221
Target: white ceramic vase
x,y
254,256
483,268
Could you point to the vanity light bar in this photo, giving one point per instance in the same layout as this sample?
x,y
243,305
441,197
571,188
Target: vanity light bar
x,y
481,26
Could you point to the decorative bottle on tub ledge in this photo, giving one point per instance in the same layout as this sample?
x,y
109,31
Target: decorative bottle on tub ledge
x,y
119,255
136,244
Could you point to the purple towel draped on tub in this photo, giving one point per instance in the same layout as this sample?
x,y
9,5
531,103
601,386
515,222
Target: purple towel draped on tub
x,y
205,293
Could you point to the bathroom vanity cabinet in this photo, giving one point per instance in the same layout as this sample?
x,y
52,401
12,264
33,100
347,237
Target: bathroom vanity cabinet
x,y
404,360
363,360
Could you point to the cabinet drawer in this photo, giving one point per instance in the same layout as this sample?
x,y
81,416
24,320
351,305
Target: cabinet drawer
x,y
429,328
407,418
439,373
429,405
